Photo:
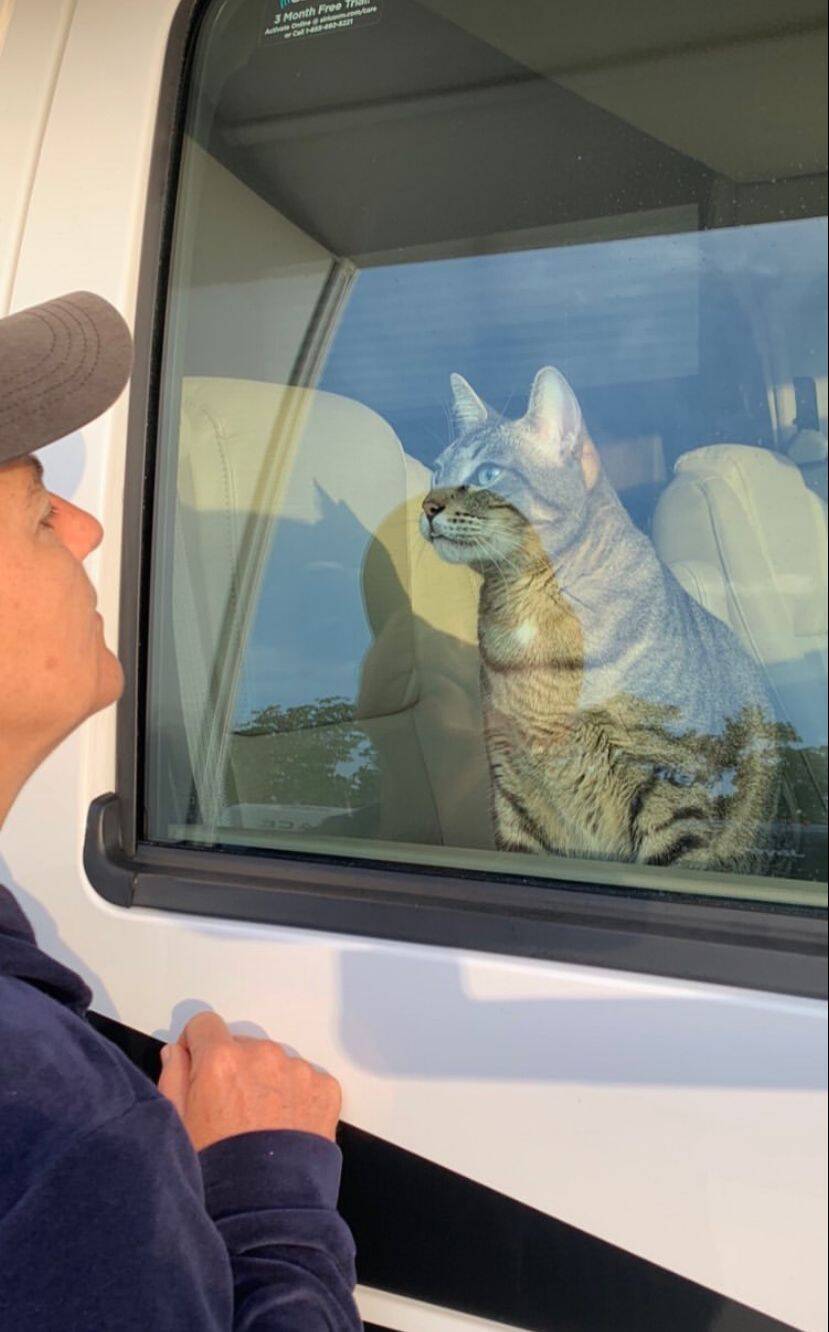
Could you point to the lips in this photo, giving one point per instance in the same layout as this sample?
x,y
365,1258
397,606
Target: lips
x,y
453,540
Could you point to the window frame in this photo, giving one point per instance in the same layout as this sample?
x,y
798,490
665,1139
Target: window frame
x,y
718,940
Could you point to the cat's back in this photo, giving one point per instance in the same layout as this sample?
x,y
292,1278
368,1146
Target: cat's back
x,y
717,672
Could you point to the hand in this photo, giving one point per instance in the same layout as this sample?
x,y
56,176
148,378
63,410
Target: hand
x,y
222,1085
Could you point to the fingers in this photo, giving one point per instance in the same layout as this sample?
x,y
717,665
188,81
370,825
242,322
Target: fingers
x,y
203,1032
174,1082
223,1085
287,1050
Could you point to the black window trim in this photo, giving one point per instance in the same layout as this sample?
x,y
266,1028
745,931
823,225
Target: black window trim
x,y
717,940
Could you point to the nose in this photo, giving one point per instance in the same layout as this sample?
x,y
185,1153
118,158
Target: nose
x,y
79,531
432,507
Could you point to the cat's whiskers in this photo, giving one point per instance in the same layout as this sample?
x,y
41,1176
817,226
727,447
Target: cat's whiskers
x,y
450,423
429,430
499,559
505,407
568,591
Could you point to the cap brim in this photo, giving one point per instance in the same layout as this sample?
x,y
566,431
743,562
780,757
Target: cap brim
x,y
61,364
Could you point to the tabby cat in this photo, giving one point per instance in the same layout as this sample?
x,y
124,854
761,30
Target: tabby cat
x,y
622,720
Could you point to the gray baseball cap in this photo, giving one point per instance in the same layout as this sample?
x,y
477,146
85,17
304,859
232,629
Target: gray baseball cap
x,y
61,365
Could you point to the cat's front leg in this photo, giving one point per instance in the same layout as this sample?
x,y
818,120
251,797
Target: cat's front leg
x,y
515,828
672,824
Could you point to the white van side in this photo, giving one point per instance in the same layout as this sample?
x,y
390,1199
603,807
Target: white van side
x,y
574,1096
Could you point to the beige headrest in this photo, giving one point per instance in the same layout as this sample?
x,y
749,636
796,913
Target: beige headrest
x,y
280,450
741,464
756,517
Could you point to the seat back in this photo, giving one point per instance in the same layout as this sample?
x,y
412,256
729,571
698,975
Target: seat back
x,y
300,599
746,537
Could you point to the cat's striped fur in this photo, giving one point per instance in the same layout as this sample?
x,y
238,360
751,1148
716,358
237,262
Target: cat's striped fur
x,y
622,720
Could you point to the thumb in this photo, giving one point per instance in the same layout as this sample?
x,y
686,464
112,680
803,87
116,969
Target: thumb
x,y
174,1082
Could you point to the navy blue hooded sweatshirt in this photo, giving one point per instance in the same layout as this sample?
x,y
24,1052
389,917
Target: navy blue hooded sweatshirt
x,y
110,1222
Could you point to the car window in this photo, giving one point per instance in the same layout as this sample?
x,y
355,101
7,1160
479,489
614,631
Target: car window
x,y
490,516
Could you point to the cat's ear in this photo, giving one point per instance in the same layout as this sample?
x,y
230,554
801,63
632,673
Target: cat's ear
x,y
553,413
468,409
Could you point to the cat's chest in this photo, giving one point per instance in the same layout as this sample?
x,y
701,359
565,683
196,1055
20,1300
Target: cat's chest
x,y
513,640
532,670
524,635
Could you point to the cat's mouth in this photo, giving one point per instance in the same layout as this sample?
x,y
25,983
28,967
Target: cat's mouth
x,y
458,545
452,540
441,539
435,535
455,550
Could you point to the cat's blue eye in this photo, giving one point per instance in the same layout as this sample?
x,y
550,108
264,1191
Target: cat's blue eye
x,y
486,475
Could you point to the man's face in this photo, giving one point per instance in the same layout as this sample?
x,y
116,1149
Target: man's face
x,y
55,668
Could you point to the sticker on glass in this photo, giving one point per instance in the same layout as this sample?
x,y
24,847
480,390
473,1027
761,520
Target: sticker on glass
x,y
288,20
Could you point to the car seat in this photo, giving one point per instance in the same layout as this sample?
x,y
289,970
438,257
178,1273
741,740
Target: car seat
x,y
297,559
746,537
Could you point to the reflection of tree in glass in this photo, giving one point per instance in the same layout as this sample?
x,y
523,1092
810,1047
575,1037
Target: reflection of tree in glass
x,y
805,772
801,772
324,756
803,804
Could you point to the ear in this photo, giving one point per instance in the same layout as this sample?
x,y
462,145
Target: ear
x,y
554,413
468,409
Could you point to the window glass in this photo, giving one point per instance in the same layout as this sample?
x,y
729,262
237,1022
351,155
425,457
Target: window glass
x,y
490,524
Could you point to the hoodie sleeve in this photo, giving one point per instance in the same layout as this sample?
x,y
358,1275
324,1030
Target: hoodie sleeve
x,y
114,1233
273,1197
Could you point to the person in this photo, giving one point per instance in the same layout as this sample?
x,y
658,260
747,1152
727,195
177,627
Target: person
x,y
209,1202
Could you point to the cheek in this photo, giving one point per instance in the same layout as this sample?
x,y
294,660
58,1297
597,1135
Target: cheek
x,y
510,522
54,664
65,631
537,510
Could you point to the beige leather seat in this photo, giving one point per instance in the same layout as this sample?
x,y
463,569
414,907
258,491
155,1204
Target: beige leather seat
x,y
745,536
299,576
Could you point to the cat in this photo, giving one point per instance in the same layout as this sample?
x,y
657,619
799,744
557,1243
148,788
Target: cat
x,y
621,719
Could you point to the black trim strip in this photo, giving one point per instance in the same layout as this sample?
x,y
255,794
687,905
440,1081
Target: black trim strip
x,y
428,1233
745,944
144,390
663,934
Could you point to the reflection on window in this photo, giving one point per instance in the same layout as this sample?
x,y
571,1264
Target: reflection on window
x,y
492,521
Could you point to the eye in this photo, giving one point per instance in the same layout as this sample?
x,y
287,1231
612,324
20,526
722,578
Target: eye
x,y
47,519
486,475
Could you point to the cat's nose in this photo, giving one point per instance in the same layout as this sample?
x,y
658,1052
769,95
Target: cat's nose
x,y
432,507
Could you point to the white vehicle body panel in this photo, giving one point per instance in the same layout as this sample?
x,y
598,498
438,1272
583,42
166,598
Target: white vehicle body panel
x,y
683,1122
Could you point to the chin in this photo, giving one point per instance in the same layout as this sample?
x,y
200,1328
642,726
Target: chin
x,y
452,552
110,681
